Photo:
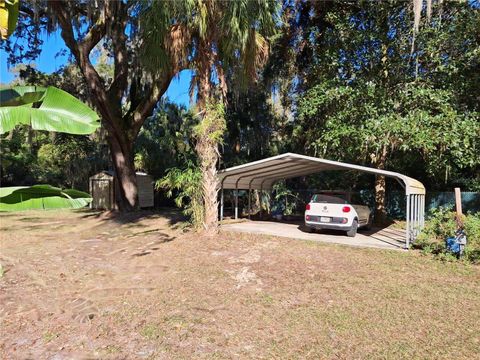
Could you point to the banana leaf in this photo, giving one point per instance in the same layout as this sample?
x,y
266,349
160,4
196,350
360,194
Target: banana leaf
x,y
9,10
41,197
48,109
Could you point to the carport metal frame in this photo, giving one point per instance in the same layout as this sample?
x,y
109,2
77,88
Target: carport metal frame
x,y
262,174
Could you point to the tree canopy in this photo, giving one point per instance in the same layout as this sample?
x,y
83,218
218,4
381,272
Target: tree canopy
x,y
387,84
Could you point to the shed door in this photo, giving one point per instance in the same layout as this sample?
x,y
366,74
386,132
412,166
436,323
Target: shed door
x,y
102,193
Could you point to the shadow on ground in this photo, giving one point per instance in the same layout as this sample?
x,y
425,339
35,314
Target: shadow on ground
x,y
174,216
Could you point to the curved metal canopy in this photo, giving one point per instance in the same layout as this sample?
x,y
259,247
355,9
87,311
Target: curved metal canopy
x,y
262,174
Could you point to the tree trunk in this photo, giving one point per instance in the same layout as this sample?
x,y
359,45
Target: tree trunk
x,y
208,164
122,156
109,102
208,154
207,144
379,160
29,139
380,211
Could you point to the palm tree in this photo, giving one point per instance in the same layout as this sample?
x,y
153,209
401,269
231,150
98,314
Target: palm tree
x,y
219,37
49,109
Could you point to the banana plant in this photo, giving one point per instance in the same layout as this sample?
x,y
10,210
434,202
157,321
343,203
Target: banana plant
x,y
9,10
41,197
48,109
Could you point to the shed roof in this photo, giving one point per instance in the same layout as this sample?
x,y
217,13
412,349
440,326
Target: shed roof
x,y
111,173
262,174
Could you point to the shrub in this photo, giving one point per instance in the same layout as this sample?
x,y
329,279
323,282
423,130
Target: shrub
x,y
185,186
472,229
440,225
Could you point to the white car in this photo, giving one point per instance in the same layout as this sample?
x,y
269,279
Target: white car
x,y
334,210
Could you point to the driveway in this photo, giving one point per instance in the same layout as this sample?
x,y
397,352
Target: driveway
x,y
386,238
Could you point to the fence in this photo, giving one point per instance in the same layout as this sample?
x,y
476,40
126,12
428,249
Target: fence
x,y
470,202
395,201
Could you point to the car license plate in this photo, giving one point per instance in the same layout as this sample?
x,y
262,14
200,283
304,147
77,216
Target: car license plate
x,y
325,219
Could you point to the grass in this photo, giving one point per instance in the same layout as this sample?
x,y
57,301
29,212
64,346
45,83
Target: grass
x,y
112,349
233,295
151,332
49,336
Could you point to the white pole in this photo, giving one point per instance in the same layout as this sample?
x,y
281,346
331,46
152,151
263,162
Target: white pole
x,y
423,211
261,200
407,227
417,214
249,200
414,217
221,204
236,203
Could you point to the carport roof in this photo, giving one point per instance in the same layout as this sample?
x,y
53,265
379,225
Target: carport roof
x,y
262,174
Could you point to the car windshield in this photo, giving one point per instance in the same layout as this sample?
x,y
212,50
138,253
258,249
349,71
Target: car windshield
x,y
330,198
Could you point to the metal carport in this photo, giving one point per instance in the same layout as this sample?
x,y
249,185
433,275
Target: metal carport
x,y
262,174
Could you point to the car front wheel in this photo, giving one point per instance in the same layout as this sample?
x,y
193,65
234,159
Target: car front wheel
x,y
353,230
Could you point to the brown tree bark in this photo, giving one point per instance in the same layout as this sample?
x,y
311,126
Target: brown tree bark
x,y
122,129
380,187
207,148
122,158
380,210
208,154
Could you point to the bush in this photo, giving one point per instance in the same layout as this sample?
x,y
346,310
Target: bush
x,y
440,225
472,229
186,186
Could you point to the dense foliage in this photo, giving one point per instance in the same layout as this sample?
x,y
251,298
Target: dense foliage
x,y
441,225
31,157
360,92
184,184
341,80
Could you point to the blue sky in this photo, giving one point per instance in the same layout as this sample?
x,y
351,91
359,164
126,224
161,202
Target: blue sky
x,y
48,62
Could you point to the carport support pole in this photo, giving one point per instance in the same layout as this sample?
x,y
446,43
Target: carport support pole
x,y
423,212
407,226
249,200
411,219
221,204
236,202
415,233
419,205
415,229
417,217
261,200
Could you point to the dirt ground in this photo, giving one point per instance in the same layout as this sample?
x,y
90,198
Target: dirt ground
x,y
81,285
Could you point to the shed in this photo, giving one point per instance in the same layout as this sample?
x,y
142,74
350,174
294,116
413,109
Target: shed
x,y
104,190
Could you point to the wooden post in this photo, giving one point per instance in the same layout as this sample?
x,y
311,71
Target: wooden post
x,y
458,207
